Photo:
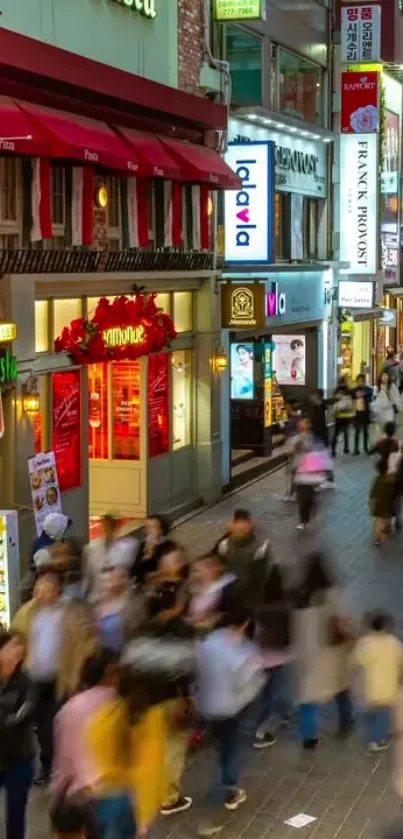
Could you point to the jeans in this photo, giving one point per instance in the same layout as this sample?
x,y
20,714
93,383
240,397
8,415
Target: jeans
x,y
46,710
275,694
115,817
378,724
361,424
341,426
306,502
308,716
228,736
16,780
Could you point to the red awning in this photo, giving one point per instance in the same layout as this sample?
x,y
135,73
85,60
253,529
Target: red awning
x,y
81,139
154,153
200,164
18,133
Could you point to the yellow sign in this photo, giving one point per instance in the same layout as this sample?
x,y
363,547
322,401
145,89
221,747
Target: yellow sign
x,y
8,332
119,336
242,306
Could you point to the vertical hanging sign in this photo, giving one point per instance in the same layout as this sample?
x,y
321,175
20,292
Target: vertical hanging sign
x,y
360,34
359,219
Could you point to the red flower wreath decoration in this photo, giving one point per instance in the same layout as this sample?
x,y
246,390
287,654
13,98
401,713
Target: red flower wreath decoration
x,y
87,341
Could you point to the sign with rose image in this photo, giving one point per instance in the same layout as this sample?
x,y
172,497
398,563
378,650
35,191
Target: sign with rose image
x,y
360,102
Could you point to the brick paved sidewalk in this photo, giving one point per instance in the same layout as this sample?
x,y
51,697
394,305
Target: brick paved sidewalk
x,y
350,795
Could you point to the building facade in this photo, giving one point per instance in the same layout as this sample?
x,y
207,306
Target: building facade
x,y
109,177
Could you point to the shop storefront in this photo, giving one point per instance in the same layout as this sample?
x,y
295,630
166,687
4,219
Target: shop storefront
x,y
286,357
358,318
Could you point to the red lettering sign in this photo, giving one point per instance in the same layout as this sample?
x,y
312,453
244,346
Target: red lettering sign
x,y
66,427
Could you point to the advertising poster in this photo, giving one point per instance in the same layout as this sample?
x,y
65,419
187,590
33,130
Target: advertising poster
x,y
66,427
126,410
242,378
98,411
289,359
360,102
45,489
390,199
158,404
267,386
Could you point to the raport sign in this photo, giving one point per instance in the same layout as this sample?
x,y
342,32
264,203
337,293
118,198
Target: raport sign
x,y
249,210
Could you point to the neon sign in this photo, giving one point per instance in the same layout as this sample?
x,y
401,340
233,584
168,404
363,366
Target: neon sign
x,y
120,336
146,8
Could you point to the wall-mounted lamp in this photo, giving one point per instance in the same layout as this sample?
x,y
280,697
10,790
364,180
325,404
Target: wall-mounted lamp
x,y
220,360
101,196
30,396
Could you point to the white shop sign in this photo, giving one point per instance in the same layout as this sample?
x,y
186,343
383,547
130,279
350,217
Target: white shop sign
x,y
359,221
360,33
249,210
300,164
356,295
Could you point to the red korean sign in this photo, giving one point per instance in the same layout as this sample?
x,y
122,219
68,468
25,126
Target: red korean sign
x,y
360,103
66,427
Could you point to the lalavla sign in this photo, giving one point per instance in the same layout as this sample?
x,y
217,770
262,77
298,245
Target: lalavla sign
x,y
300,164
249,210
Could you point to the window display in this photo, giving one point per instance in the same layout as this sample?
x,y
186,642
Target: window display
x,y
158,404
181,398
98,447
289,359
126,410
242,382
66,424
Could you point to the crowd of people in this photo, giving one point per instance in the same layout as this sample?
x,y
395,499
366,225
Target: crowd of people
x,y
126,654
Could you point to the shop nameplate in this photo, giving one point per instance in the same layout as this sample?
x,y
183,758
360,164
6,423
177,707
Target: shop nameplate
x,y
8,332
146,8
225,10
242,306
122,335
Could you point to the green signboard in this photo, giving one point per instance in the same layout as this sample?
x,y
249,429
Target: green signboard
x,y
238,10
144,7
8,368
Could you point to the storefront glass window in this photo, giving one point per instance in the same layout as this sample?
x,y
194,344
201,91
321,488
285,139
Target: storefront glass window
x,y
64,311
126,410
299,87
92,303
66,427
98,447
183,315
244,54
181,398
42,325
163,301
158,404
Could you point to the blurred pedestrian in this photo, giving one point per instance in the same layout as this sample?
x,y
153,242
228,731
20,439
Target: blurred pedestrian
x,y
312,467
343,409
17,751
392,366
119,611
382,494
387,402
362,396
290,427
157,541
318,416
229,678
247,556
59,635
54,530
209,579
379,656
108,551
322,644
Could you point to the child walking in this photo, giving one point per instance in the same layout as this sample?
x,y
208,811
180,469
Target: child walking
x,y
379,657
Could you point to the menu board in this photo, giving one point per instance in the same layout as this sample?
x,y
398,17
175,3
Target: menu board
x,y
66,427
158,404
126,410
44,483
98,411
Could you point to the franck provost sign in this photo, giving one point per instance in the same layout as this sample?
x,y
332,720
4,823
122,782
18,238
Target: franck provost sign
x,y
249,211
359,221
300,164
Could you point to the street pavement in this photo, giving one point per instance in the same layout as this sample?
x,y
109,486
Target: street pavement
x,y
348,793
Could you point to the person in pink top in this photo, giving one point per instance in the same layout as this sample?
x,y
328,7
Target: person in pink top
x,y
73,769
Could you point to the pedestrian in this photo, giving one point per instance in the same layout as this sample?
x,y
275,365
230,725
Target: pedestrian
x,y
119,610
17,752
157,541
59,635
343,409
273,636
108,551
290,427
379,657
247,556
322,645
362,396
318,416
209,580
229,678
387,402
312,467
55,527
392,365
382,494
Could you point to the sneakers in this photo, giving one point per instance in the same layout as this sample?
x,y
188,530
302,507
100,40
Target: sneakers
x,y
235,799
380,746
301,526
209,829
263,741
310,744
183,803
328,485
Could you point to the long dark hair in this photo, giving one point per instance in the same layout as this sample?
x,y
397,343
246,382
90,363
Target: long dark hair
x,y
317,579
